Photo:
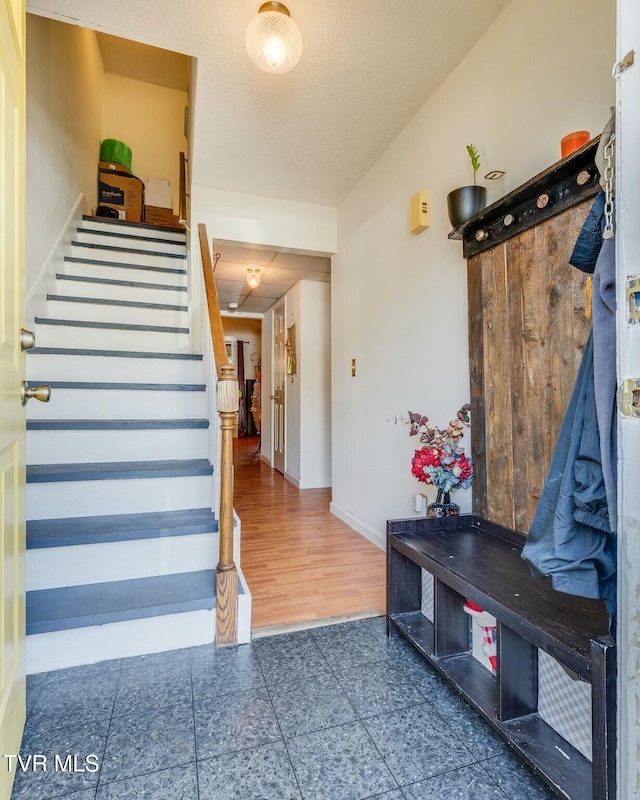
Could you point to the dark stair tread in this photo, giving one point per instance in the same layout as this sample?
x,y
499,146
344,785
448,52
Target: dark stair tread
x,y
122,265
118,601
113,424
130,236
129,387
43,533
145,225
118,470
100,301
111,326
114,282
72,351
131,250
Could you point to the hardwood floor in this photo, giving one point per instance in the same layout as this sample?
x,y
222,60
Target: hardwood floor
x,y
301,562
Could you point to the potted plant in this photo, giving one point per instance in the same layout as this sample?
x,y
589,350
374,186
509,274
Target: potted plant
x,y
465,202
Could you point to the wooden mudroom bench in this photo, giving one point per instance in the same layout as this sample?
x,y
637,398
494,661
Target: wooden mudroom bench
x,y
470,557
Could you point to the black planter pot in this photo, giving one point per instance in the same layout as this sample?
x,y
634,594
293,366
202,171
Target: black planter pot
x,y
464,203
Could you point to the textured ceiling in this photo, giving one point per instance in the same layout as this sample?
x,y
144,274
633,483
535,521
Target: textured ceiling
x,y
279,270
367,66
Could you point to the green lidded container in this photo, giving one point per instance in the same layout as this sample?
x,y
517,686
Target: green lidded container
x,y
117,152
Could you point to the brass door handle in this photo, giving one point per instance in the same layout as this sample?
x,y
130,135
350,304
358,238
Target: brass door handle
x,y
273,397
41,393
27,339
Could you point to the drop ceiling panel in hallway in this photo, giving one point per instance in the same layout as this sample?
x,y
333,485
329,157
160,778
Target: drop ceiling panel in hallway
x,y
279,271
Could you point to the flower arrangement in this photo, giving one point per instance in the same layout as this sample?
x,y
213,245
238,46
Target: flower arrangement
x,y
441,461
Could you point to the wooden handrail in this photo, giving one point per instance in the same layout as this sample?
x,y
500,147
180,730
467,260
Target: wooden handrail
x,y
182,198
226,572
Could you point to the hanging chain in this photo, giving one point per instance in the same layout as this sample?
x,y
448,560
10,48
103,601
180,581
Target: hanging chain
x,y
608,188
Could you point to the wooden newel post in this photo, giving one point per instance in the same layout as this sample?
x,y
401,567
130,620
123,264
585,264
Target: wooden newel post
x,y
226,573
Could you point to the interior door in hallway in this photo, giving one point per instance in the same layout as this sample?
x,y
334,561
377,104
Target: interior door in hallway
x,y
279,376
12,365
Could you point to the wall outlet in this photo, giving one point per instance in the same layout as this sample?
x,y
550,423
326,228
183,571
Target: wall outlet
x,y
419,503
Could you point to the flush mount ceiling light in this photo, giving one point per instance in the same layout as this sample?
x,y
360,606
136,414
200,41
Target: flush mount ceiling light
x,y
253,277
273,39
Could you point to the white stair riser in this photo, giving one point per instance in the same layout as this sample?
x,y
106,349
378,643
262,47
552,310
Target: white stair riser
x,y
134,230
111,241
50,568
119,404
74,447
125,257
111,339
113,369
89,270
109,291
132,496
71,648
59,309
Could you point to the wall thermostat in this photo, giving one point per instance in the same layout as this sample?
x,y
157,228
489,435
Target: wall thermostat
x,y
419,210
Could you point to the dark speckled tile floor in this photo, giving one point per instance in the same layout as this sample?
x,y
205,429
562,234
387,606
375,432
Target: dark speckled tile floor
x,y
334,713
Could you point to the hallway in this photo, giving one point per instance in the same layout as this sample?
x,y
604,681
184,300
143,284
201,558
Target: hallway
x,y
301,563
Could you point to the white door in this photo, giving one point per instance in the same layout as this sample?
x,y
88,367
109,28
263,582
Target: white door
x,y
279,377
628,265
12,364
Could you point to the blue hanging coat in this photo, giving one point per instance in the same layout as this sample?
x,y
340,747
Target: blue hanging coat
x,y
572,536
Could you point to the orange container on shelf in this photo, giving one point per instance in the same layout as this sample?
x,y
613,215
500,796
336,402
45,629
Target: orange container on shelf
x,y
573,141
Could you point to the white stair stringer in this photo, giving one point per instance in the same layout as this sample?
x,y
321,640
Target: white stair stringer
x,y
117,461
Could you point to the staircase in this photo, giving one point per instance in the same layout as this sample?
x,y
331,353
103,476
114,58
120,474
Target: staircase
x,y
122,541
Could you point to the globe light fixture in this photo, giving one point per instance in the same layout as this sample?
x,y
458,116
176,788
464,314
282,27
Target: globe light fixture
x,y
273,39
253,277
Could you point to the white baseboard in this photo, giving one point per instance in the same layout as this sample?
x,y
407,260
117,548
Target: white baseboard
x,y
266,460
321,484
376,538
292,480
45,280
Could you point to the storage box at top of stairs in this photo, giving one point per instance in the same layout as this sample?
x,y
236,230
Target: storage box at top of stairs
x,y
155,215
121,191
113,166
157,192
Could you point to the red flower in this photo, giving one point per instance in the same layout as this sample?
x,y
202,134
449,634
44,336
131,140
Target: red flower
x,y
425,457
466,467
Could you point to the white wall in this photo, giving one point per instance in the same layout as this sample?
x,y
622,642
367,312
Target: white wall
x,y
308,392
250,219
150,120
64,128
293,391
267,406
314,373
399,303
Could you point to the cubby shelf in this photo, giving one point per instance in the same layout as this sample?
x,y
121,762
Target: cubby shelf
x,y
470,557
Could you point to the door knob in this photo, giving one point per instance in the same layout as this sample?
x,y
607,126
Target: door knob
x,y
273,397
41,393
27,339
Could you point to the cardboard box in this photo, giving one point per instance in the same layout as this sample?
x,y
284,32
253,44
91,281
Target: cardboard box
x,y
113,167
157,192
154,215
121,191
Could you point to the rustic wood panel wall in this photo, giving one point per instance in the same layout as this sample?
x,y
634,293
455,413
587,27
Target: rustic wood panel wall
x,y
527,331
